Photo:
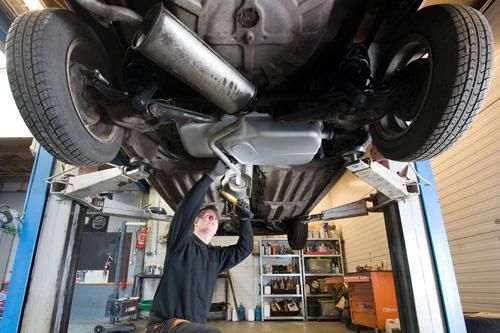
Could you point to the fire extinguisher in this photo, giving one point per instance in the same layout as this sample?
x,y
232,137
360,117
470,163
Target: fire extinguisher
x,y
141,234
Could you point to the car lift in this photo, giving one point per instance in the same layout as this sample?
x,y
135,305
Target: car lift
x,y
41,289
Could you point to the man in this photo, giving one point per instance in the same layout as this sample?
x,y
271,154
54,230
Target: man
x,y
183,298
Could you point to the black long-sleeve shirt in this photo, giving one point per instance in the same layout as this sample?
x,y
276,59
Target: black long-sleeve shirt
x,y
191,266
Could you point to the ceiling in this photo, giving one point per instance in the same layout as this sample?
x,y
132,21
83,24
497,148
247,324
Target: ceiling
x,y
17,159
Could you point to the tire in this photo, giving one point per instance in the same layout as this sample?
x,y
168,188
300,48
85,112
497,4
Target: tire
x,y
297,234
99,329
41,49
457,69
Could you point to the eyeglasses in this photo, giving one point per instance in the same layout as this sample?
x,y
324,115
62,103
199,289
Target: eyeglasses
x,y
211,217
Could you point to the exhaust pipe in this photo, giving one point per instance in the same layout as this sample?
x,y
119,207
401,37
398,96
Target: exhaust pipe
x,y
169,43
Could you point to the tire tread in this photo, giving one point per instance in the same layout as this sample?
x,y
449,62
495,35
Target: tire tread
x,y
36,100
470,84
460,41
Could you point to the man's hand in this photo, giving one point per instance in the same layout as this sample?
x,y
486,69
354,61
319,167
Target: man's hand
x,y
218,170
243,211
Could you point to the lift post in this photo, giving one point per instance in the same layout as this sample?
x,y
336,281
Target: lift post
x,y
33,213
426,286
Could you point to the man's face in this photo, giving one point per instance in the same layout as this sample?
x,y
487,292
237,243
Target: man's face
x,y
208,221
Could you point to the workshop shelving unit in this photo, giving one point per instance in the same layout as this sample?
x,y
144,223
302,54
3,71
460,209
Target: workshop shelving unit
x,y
292,259
316,266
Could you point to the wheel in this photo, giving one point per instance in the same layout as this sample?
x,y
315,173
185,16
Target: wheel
x,y
99,329
297,234
47,53
438,73
5,217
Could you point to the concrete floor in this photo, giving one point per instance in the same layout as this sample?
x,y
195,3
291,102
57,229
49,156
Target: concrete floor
x,y
274,326
244,327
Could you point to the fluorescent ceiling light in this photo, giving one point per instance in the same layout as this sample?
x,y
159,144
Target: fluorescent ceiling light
x,y
33,4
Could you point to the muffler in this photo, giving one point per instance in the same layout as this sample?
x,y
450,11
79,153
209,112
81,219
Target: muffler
x,y
169,43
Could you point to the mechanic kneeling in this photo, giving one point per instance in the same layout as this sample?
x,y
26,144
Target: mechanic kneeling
x,y
183,298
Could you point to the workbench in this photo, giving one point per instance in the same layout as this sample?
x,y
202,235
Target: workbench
x,y
139,281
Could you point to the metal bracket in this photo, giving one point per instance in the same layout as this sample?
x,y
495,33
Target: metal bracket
x,y
385,181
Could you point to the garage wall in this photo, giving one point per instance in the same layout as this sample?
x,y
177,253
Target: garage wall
x,y
365,238
155,253
245,277
133,198
469,191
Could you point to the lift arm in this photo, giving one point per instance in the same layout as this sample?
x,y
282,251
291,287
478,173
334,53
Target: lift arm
x,y
82,188
390,186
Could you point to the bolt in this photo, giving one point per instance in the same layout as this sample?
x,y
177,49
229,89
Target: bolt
x,y
249,37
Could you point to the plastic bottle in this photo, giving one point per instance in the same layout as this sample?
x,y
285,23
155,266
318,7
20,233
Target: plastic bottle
x,y
241,312
234,316
250,315
267,310
258,313
282,284
229,312
335,235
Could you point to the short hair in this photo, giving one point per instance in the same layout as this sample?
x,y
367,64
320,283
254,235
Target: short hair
x,y
209,207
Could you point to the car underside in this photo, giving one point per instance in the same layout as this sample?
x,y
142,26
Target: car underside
x,y
280,91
